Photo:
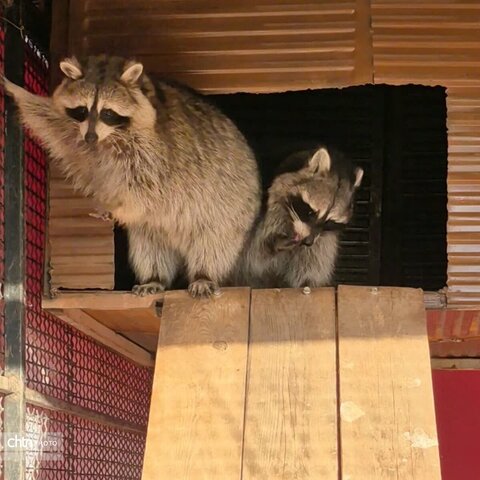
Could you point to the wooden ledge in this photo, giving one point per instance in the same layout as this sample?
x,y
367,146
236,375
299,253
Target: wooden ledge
x,y
114,318
100,300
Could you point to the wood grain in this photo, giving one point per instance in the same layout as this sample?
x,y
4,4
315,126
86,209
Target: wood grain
x,y
387,422
196,421
290,423
94,329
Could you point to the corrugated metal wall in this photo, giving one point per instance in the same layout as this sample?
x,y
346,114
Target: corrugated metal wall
x,y
438,43
246,45
81,247
235,45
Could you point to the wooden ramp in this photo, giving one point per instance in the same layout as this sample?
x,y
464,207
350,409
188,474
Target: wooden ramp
x,y
278,384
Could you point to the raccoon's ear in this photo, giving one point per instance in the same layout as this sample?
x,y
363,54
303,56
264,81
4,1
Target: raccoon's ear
x,y
71,68
358,177
321,161
132,72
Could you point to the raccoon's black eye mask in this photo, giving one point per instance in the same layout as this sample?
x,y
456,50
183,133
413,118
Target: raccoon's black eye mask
x,y
307,215
79,114
302,209
113,119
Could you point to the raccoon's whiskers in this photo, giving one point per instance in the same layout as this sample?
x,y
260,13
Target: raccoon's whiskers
x,y
292,212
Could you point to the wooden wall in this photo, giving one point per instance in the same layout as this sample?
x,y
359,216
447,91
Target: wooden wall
x,y
244,45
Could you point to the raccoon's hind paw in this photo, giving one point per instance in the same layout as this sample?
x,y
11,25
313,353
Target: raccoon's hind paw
x,y
148,289
203,288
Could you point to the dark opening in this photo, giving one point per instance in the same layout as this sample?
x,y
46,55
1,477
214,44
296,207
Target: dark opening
x,y
398,135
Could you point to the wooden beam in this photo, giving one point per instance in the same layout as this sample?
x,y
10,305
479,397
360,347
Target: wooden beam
x,y
291,407
456,363
195,427
100,300
89,326
35,398
387,415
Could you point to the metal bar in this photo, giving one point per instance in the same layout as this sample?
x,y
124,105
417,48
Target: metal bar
x,y
376,185
14,289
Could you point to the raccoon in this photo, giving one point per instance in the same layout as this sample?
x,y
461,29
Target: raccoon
x,y
295,243
161,159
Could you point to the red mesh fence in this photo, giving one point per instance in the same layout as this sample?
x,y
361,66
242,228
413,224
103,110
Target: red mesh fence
x,y
89,450
60,361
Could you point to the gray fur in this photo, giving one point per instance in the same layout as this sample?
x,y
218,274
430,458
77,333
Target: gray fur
x,y
179,176
275,256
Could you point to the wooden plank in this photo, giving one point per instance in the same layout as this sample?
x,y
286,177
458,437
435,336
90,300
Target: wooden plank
x,y
89,326
290,423
51,403
101,300
141,320
456,363
145,340
386,400
195,427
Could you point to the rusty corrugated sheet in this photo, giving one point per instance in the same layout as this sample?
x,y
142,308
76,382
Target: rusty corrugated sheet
x,y
454,333
438,43
239,45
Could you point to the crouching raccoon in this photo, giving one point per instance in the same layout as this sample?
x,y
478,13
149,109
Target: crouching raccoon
x,y
295,243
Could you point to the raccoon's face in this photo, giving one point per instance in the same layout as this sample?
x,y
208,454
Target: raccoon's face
x,y
103,97
320,200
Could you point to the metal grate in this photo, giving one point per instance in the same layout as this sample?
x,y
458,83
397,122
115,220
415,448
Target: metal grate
x,y
61,361
90,450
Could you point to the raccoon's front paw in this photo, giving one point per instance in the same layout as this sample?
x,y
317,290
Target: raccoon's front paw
x,y
280,243
203,288
102,215
148,289
10,88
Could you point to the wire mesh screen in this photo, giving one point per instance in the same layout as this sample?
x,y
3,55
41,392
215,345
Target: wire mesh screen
x,y
61,361
66,364
87,450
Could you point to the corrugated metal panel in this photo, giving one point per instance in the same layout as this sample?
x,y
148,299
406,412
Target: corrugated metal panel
x,y
464,197
81,247
438,43
239,45
427,42
454,333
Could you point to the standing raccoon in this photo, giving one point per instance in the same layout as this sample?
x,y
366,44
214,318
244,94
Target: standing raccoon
x,y
167,165
295,243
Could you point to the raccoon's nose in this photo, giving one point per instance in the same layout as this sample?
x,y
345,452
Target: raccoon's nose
x,y
91,137
308,241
